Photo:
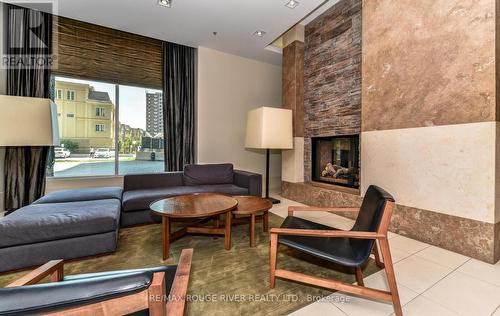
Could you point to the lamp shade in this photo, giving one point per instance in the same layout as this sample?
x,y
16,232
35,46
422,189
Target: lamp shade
x,y
269,128
28,122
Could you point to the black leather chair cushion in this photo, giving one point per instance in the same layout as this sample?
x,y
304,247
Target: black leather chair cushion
x,y
208,174
337,250
345,251
372,209
53,221
43,298
79,290
78,195
169,274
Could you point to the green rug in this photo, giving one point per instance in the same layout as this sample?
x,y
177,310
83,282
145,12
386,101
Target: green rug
x,y
222,282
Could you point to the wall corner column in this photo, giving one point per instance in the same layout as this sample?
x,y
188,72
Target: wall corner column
x,y
293,99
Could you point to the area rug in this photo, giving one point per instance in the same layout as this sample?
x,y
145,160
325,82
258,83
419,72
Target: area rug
x,y
223,282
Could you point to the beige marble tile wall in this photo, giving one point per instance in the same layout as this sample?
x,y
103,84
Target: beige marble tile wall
x,y
429,131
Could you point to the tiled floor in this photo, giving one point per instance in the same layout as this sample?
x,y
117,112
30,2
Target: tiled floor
x,y
431,280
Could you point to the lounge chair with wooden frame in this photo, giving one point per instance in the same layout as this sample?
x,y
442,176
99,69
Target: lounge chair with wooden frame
x,y
348,248
156,291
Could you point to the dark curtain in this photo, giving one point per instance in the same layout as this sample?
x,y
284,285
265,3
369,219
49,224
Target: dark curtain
x,y
178,105
29,34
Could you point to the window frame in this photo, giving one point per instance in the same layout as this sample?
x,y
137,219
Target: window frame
x,y
100,112
115,120
71,95
101,128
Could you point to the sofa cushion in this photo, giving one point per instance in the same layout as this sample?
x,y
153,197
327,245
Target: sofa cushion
x,y
54,221
229,189
78,195
138,200
208,174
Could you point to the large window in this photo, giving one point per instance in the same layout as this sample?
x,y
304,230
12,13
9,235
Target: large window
x,y
108,129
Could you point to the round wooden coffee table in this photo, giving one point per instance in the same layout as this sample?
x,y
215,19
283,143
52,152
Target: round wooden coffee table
x,y
252,208
194,206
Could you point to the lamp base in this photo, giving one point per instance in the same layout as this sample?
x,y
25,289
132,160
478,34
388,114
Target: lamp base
x,y
273,200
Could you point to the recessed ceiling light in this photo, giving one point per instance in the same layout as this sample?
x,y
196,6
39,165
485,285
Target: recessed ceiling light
x,y
292,4
165,3
259,33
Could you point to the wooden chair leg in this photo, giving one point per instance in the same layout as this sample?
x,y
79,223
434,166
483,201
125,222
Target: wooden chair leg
x,y
391,277
273,260
156,295
376,253
359,276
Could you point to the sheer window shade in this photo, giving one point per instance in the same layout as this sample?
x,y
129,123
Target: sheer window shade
x,y
90,51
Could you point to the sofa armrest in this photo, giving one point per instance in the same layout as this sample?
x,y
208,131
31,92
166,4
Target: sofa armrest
x,y
152,180
251,181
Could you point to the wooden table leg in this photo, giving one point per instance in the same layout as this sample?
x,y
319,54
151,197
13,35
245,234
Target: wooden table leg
x,y
227,233
217,221
265,221
166,236
252,230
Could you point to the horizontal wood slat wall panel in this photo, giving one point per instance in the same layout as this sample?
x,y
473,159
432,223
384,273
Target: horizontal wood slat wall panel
x,y
95,52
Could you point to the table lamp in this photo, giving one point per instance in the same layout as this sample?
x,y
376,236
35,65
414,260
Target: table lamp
x,y
269,128
28,122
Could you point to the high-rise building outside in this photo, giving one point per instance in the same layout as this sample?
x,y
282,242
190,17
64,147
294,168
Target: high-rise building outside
x,y
154,113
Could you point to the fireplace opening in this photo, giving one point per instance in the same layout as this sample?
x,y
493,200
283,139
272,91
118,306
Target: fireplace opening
x,y
335,160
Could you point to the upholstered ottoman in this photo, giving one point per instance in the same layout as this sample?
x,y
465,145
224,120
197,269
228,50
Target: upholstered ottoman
x,y
38,233
79,195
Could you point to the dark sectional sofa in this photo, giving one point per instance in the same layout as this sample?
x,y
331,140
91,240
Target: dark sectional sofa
x,y
85,222
141,190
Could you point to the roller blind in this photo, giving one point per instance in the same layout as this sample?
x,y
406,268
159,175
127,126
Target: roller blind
x,y
94,52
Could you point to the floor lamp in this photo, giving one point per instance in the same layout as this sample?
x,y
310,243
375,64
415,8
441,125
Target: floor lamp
x,y
269,128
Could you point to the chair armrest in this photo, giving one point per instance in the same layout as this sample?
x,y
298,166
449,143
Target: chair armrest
x,y
326,233
152,180
251,181
54,268
177,297
292,209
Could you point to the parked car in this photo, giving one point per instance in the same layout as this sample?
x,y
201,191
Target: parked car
x,y
103,153
61,152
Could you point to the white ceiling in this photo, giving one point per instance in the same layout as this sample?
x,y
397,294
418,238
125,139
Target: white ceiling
x,y
192,22
320,10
